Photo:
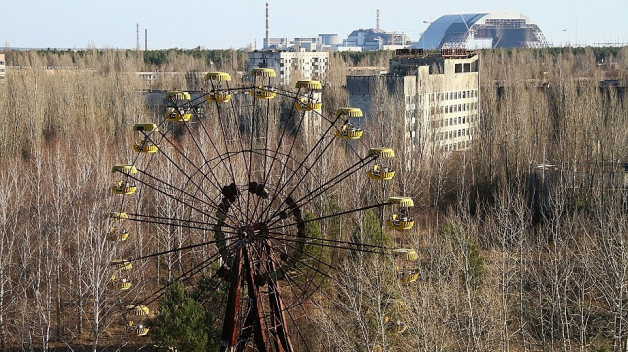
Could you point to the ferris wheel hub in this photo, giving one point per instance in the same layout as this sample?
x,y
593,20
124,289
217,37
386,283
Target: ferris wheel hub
x,y
250,233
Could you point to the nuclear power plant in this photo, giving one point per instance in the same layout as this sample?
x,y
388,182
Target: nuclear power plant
x,y
498,29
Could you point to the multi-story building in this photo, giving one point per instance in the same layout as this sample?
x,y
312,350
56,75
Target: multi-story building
x,y
291,66
437,95
3,68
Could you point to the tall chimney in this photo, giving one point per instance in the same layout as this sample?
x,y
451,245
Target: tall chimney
x,y
137,33
377,25
267,28
146,39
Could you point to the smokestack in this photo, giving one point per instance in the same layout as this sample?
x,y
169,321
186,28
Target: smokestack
x,y
267,28
377,25
137,33
146,39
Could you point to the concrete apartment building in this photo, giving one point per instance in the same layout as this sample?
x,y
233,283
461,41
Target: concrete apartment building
x,y
437,95
291,66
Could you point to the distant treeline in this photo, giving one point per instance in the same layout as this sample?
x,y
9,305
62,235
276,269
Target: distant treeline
x,y
221,58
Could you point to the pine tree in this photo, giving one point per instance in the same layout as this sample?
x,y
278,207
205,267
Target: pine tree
x,y
181,321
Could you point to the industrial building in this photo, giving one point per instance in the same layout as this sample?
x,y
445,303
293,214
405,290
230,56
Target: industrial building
x,y
291,66
374,39
499,29
437,95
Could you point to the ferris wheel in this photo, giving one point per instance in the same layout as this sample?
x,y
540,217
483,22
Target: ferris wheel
x,y
246,186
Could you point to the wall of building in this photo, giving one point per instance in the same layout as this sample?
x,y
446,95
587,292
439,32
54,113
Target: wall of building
x,y
291,66
439,98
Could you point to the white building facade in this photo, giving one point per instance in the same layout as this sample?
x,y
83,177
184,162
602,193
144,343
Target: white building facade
x,y
291,66
438,96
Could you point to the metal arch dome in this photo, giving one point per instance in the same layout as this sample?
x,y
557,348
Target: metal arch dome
x,y
503,28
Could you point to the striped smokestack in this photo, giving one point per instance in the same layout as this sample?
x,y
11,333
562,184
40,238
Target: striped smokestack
x,y
267,28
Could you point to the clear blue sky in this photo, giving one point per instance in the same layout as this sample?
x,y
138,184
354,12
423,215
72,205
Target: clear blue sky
x,y
237,23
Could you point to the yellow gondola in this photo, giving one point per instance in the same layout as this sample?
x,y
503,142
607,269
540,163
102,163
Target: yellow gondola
x,y
145,146
178,115
119,216
263,72
349,112
218,95
218,77
401,219
125,169
145,127
307,104
349,130
125,188
122,264
116,235
309,85
139,310
263,92
121,284
381,171
178,96
406,254
408,277
141,330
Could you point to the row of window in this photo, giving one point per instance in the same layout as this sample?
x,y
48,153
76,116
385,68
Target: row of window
x,y
460,94
454,108
456,146
453,121
442,136
460,107
442,96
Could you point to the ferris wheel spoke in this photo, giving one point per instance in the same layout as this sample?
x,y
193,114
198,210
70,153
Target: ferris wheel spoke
x,y
214,182
291,283
178,249
221,115
344,245
179,199
301,164
315,193
337,214
302,252
156,221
